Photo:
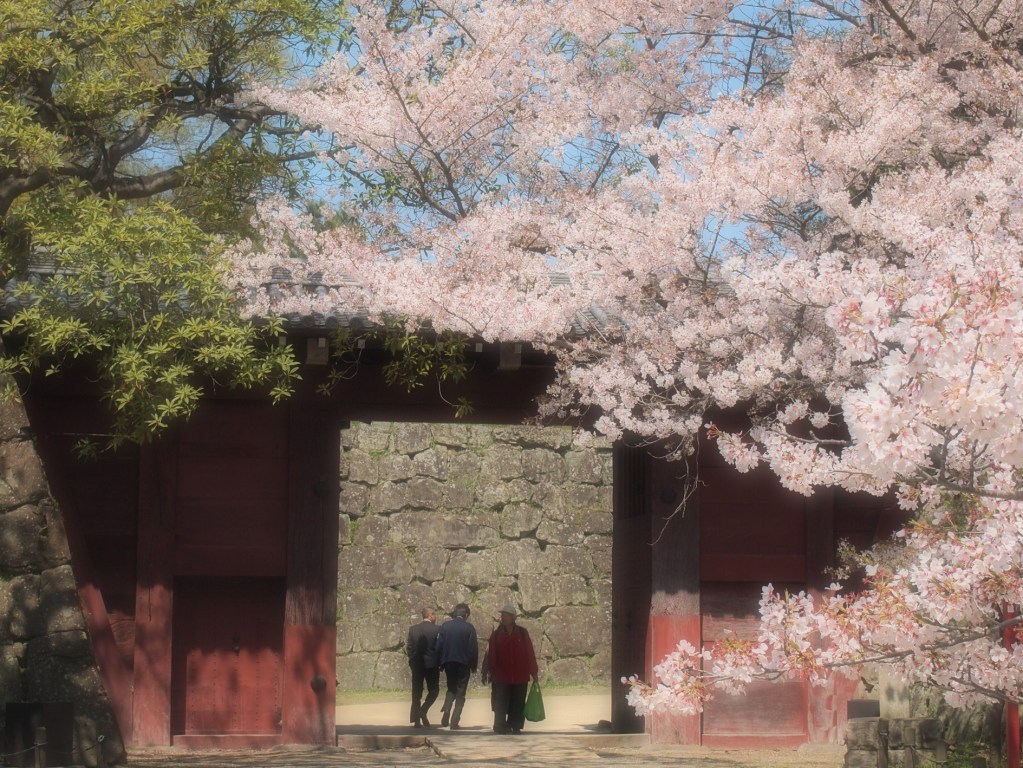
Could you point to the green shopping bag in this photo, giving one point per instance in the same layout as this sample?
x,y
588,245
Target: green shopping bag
x,y
534,704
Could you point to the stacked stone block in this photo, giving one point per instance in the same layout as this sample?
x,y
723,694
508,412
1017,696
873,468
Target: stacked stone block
x,y
440,514
45,652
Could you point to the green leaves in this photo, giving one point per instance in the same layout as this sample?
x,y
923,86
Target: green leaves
x,y
415,356
138,290
128,158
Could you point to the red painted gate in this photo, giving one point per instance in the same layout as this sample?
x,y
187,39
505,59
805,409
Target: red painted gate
x,y
752,532
227,656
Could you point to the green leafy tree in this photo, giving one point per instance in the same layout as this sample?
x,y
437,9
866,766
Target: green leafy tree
x,y
414,356
129,158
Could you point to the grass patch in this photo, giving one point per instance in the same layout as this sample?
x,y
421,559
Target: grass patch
x,y
558,689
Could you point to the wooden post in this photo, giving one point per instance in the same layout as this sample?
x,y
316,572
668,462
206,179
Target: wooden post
x,y
101,757
310,612
154,595
675,587
826,704
909,749
1011,708
630,581
882,743
40,747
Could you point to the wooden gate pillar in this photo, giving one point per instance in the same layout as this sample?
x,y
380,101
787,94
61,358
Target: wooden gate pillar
x,y
630,581
154,596
310,613
675,584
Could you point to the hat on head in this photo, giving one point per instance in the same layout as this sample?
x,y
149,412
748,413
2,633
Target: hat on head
x,y
509,608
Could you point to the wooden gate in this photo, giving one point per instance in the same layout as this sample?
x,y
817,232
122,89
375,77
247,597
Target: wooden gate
x,y
227,656
752,532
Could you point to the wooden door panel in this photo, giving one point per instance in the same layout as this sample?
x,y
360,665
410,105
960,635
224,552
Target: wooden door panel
x,y
769,713
751,529
228,652
733,609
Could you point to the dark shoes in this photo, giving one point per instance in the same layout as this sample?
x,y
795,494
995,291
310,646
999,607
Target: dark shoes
x,y
444,720
426,723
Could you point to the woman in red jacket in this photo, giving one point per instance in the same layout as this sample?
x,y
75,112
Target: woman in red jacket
x,y
511,664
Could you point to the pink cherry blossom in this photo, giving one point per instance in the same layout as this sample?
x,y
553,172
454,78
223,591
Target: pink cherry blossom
x,y
813,214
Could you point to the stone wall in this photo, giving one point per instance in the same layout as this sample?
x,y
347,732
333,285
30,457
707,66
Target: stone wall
x,y
433,515
45,652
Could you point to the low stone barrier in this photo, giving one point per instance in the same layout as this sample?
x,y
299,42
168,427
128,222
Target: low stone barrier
x,y
876,742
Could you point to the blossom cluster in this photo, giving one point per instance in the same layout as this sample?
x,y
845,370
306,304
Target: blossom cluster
x,y
814,214
938,615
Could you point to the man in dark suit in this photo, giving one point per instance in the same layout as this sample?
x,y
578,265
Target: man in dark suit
x,y
421,647
458,654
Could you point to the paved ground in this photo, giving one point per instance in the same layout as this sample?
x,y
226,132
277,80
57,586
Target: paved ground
x,y
571,713
574,735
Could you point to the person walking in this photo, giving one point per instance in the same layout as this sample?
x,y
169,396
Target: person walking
x,y
511,664
458,655
421,647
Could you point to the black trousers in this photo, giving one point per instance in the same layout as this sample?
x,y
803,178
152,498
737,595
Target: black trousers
x,y
431,678
509,703
458,683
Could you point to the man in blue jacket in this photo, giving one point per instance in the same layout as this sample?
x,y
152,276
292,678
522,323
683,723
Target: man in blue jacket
x,y
458,654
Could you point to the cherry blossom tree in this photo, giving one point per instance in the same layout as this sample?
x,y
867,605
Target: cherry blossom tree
x,y
808,210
